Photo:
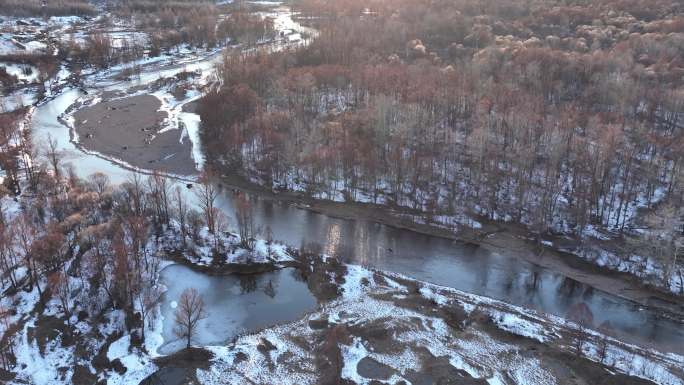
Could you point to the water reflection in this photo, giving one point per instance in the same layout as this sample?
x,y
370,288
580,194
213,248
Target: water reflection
x,y
461,266
332,240
234,303
248,283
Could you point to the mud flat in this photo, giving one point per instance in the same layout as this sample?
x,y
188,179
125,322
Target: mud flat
x,y
128,129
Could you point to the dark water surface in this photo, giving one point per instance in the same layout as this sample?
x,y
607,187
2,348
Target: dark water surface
x,y
462,266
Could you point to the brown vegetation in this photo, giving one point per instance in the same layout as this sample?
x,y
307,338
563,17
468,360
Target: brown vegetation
x,y
189,313
33,8
561,118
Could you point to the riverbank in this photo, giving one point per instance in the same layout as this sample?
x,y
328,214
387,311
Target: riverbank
x,y
385,327
251,268
129,129
227,268
506,239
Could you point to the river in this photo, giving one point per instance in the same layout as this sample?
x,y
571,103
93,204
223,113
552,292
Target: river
x,y
437,260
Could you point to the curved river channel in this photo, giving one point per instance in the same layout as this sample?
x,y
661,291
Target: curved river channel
x,y
437,260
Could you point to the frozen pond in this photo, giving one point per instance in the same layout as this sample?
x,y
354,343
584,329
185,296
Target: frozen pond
x,y
234,303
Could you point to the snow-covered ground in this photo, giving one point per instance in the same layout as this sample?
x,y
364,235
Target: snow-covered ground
x,y
374,301
202,251
381,326
23,72
32,35
648,269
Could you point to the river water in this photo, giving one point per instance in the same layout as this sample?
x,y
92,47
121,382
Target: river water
x,y
464,267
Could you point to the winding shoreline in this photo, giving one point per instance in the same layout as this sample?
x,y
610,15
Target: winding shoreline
x,y
118,162
130,129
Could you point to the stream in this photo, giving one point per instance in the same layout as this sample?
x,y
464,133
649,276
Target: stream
x,y
437,260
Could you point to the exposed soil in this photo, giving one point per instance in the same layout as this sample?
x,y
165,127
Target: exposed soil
x,y
169,375
188,358
128,129
179,368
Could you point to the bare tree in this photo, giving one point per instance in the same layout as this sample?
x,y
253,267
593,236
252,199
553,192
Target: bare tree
x,y
195,223
6,350
220,223
61,287
181,213
53,155
158,188
584,318
99,182
135,193
148,297
245,219
189,313
100,49
666,238
9,259
25,234
207,195
603,344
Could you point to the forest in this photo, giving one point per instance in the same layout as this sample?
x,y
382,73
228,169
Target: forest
x,y
561,116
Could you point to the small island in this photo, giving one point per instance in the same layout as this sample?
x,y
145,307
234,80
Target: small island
x,y
129,129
